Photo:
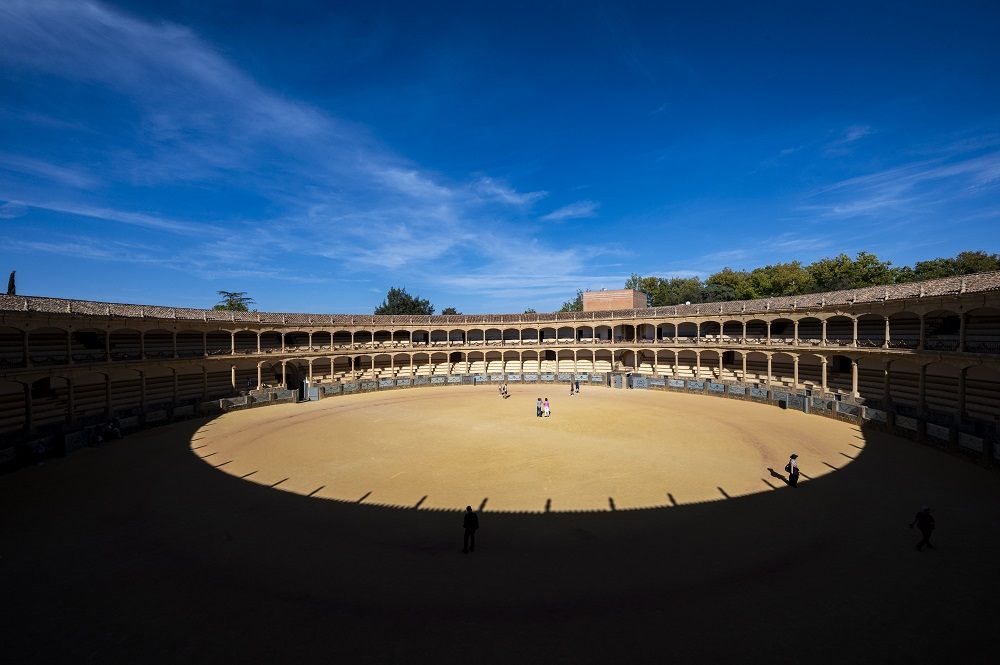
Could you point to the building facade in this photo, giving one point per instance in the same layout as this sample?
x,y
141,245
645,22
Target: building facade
x,y
928,349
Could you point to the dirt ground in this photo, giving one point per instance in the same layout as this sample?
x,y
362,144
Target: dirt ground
x,y
154,549
450,447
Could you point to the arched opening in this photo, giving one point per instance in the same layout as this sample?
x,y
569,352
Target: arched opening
x,y
342,367
90,404
12,408
782,370
756,368
904,330
687,364
298,340
603,358
404,368
710,331
839,374
322,371
566,361
190,344
382,337
511,362
439,337
547,362
603,334
756,332
456,337
439,363
565,335
782,331
811,372
341,339
645,332
126,344
422,364
732,366
421,337
529,362
666,331
839,331
511,336
732,331
476,337
382,366
687,331
871,380
530,335
710,369
401,338
160,387
47,346
270,342
982,393
626,361
904,389
494,336
322,340
982,331
362,338
548,335
941,330
246,342
810,331
219,343
585,334
190,387
871,330
665,363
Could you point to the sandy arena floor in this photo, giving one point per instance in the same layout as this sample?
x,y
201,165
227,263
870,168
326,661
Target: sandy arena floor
x,y
197,542
448,447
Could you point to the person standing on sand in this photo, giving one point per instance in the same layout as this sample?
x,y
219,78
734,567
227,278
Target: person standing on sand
x,y
538,408
925,522
471,522
793,470
545,407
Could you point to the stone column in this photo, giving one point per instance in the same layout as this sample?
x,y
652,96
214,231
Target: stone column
x,y
142,345
282,341
854,378
795,372
25,355
204,343
769,360
69,347
721,364
284,381
769,341
260,378
232,376
311,369
854,342
795,334
204,383
173,336
961,332
697,358
175,392
232,342
823,334
823,375
311,343
107,346
885,344
744,377
744,339
886,394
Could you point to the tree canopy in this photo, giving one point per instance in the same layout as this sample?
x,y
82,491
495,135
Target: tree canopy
x,y
398,301
234,301
449,310
793,278
574,305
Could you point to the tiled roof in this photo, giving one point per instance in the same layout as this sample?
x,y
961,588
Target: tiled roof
x,y
978,283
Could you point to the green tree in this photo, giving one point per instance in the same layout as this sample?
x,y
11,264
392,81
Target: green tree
x,y
12,284
735,281
398,301
843,272
530,311
234,301
781,279
449,310
574,305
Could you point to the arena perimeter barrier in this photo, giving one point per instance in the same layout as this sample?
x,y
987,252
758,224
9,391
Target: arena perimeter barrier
x,y
982,446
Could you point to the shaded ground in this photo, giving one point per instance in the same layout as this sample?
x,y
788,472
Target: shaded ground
x,y
142,552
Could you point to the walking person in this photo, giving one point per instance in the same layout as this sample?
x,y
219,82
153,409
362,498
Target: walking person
x,y
793,470
925,522
471,522
545,407
578,386
538,408
571,389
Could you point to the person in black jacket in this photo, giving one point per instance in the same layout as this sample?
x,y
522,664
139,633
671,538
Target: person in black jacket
x,y
925,522
471,523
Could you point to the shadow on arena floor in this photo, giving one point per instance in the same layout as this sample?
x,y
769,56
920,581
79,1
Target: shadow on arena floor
x,y
142,552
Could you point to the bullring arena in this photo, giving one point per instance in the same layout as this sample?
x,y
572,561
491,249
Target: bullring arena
x,y
647,519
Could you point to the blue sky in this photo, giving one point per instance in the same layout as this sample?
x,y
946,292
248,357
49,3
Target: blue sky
x,y
487,156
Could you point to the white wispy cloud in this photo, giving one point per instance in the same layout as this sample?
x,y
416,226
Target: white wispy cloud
x,y
13,210
843,143
61,174
339,193
577,210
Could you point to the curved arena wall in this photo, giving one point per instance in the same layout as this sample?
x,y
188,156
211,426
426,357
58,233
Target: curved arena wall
x,y
927,355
